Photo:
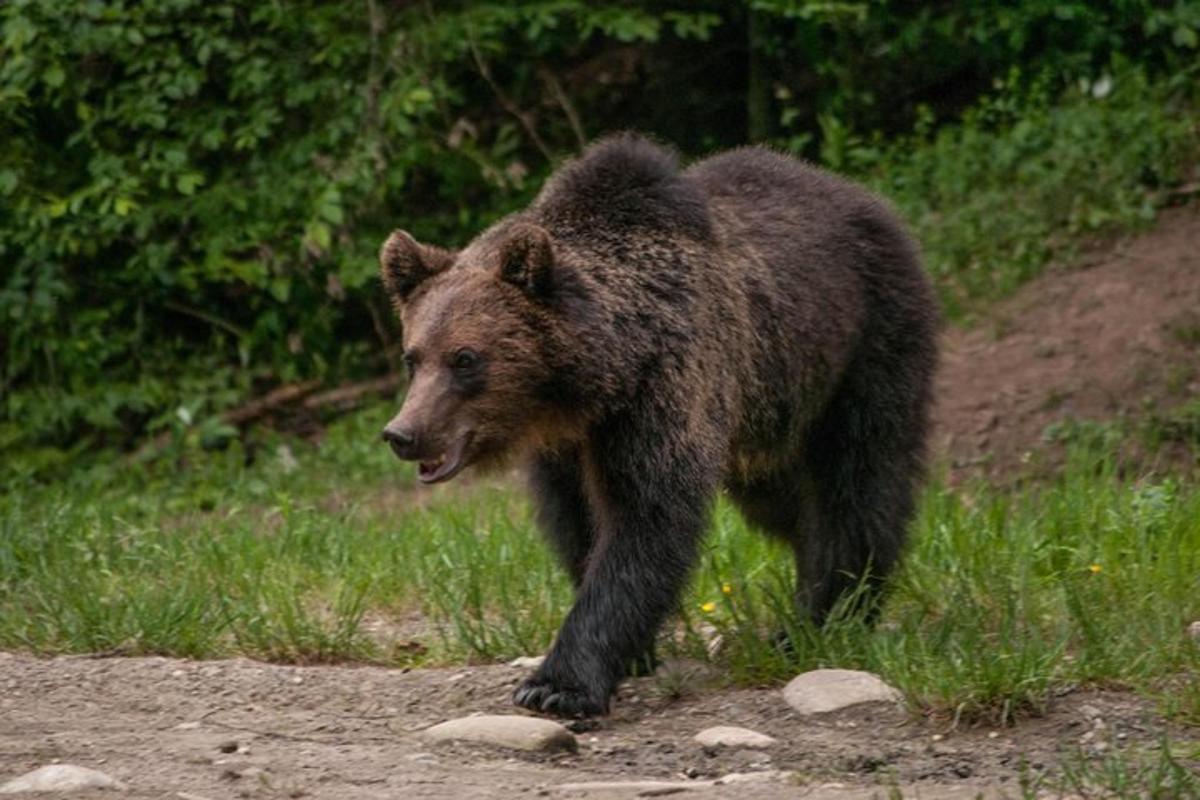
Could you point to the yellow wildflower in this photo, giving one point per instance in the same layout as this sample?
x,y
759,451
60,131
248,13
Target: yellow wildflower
x,y
726,588
708,607
1094,568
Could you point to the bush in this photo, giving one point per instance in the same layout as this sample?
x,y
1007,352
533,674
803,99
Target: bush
x,y
192,192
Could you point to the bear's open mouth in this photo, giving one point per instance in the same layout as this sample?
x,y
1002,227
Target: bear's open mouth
x,y
447,465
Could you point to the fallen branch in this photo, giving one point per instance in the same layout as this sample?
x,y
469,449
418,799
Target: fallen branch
x,y
280,396
270,401
349,395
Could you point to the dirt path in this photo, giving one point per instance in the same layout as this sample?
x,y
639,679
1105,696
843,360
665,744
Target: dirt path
x,y
1120,336
162,727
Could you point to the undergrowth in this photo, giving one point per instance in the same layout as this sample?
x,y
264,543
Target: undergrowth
x,y
993,197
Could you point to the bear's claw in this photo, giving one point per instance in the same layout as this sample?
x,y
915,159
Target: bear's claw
x,y
539,694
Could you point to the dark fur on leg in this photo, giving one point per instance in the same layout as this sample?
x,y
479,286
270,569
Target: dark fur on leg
x,y
644,554
556,482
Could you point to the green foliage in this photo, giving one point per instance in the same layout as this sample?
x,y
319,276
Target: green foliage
x,y
1026,173
192,193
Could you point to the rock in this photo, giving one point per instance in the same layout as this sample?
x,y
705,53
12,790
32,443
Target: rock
x,y
510,730
824,690
631,788
60,778
727,736
1194,630
763,776
527,662
652,788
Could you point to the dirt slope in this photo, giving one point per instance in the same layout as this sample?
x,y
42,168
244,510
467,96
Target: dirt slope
x,y
1118,335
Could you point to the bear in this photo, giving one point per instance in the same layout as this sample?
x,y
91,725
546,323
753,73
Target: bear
x,y
643,336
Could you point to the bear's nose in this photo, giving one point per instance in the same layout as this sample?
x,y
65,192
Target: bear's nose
x,y
403,442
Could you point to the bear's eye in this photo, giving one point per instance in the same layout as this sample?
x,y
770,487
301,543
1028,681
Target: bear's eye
x,y
465,360
410,363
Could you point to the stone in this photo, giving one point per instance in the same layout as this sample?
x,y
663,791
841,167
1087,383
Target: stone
x,y
1194,630
632,788
527,662
729,736
762,776
655,788
823,690
507,730
60,778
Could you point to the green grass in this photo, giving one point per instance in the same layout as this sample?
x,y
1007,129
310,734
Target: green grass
x,y
1004,596
1164,771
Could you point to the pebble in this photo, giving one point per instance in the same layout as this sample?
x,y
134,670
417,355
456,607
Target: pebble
x,y
823,690
507,730
633,788
728,736
653,788
527,662
60,778
1194,630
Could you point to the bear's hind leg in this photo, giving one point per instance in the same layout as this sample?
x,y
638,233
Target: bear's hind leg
x,y
781,506
865,461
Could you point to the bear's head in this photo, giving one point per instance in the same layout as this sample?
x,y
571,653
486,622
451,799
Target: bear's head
x,y
477,328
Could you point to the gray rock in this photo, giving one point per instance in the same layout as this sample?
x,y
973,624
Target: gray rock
x,y
727,736
651,788
60,778
1194,630
824,690
631,788
510,730
527,662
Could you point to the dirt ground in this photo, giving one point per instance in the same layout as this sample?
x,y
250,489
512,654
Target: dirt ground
x,y
172,728
1118,336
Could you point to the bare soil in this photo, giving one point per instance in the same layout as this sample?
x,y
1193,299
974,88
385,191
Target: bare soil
x,y
245,729
1119,336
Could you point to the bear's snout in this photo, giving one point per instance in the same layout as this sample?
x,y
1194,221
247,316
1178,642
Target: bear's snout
x,y
402,441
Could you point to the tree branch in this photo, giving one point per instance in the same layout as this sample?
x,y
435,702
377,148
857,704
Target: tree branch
x,y
569,110
506,102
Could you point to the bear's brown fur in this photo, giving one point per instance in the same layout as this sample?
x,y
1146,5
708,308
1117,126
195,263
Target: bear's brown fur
x,y
642,336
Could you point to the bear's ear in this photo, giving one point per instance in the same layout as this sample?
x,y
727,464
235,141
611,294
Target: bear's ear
x,y
527,259
404,263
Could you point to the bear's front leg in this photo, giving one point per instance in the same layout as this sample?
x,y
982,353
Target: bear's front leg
x,y
652,511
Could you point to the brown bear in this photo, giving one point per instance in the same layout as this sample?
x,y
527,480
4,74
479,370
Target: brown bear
x,y
642,336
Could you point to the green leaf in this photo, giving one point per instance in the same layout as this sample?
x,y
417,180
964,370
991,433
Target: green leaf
x,y
54,76
188,182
